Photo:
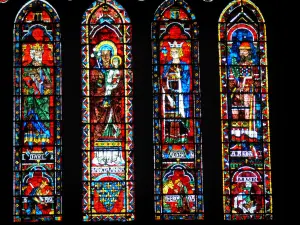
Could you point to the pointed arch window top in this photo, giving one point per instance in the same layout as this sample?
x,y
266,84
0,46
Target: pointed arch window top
x,y
101,14
181,12
49,14
236,8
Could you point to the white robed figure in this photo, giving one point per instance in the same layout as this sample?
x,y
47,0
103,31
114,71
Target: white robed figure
x,y
175,96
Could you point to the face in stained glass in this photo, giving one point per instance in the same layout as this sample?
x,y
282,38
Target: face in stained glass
x,y
179,191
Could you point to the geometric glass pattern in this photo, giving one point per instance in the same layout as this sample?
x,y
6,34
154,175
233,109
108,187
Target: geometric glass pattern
x,y
107,121
177,140
247,192
37,98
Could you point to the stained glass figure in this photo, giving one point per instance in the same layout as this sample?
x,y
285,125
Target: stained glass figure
x,y
107,121
177,141
37,114
245,113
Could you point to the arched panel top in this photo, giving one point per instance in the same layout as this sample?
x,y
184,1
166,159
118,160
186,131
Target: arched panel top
x,y
247,30
174,10
105,11
38,32
28,12
175,31
241,11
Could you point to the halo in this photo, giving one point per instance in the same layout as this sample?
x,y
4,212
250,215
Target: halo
x,y
108,44
118,57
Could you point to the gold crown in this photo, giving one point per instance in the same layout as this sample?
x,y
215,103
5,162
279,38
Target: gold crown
x,y
44,182
37,47
177,181
175,44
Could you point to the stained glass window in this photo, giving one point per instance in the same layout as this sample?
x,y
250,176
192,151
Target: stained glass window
x,y
37,114
107,128
245,113
177,146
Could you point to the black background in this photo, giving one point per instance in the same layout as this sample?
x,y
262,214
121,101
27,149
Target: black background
x,y
141,14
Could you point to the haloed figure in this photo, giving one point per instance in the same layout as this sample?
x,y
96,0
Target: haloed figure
x,y
108,108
